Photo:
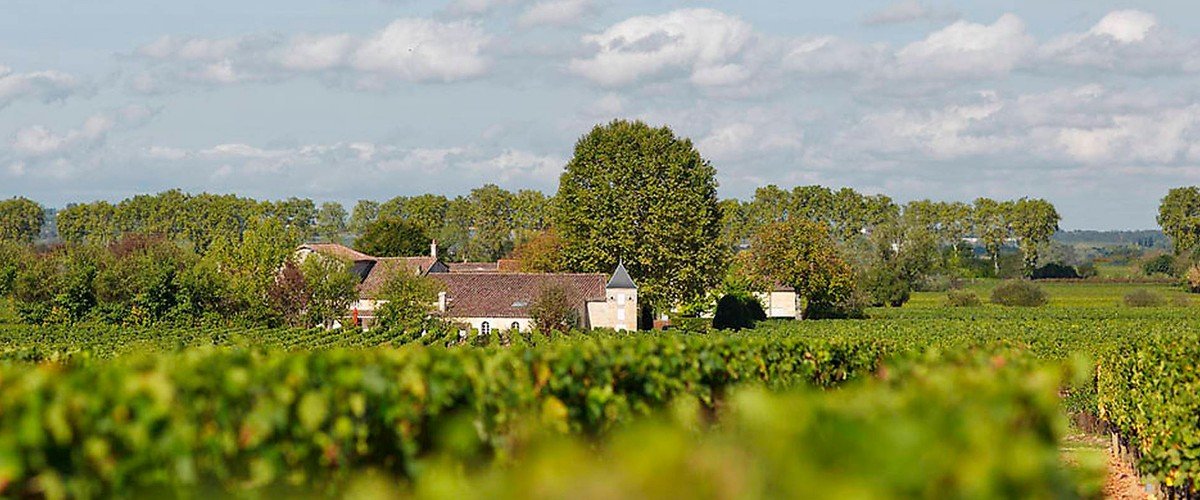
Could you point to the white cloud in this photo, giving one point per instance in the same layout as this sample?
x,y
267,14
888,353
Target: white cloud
x,y
406,50
1127,41
907,11
1125,26
555,13
38,148
46,86
967,50
709,46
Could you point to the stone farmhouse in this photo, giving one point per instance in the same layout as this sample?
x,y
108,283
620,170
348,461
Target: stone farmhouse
x,y
489,296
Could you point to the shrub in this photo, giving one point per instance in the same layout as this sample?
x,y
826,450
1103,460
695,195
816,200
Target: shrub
x,y
885,286
936,283
1193,279
1055,270
955,298
1143,298
552,310
1162,264
1087,270
1019,293
738,311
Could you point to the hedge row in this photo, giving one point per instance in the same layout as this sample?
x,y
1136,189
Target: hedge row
x,y
244,418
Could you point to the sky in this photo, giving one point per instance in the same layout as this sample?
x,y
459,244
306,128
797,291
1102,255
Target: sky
x,y
1091,104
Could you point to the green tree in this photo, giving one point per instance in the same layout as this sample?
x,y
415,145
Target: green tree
x,y
21,220
331,221
427,211
641,194
543,253
410,305
393,237
1179,217
801,254
492,223
991,227
1033,222
331,289
531,214
252,264
365,212
551,310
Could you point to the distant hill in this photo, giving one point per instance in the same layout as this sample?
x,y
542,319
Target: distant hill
x,y
1149,238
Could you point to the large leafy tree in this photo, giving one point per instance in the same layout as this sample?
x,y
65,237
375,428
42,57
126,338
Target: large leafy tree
x,y
991,227
801,254
21,220
541,254
393,237
1179,217
365,212
331,221
1033,222
491,223
641,194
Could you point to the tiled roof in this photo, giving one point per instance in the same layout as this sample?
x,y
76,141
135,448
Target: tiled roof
x,y
336,250
387,267
473,267
509,295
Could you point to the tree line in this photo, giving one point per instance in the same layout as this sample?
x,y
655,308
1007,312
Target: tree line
x,y
631,193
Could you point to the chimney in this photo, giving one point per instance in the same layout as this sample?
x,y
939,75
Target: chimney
x,y
433,249
441,301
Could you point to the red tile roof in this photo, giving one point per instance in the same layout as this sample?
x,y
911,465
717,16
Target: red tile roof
x,y
509,295
387,267
473,267
336,250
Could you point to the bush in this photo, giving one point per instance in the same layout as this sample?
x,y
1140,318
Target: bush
x,y
1193,279
1087,270
1143,298
963,298
885,286
552,310
1055,270
738,311
936,283
1019,293
1163,264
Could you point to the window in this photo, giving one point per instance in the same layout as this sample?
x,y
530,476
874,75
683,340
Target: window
x,y
516,326
621,299
485,328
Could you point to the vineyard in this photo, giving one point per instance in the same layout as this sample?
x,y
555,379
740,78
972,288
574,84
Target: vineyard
x,y
890,406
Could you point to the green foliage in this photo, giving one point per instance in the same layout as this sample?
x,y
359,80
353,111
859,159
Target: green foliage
x,y
1150,392
245,420
552,310
411,305
1179,217
1160,265
1019,293
799,253
738,311
365,212
1055,270
861,442
331,221
542,253
21,220
886,285
641,194
962,298
1143,298
332,289
1087,270
391,236
1033,222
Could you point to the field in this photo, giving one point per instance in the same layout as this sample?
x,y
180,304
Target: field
x,y
924,400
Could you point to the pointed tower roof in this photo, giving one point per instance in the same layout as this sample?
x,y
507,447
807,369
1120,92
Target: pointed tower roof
x,y
621,279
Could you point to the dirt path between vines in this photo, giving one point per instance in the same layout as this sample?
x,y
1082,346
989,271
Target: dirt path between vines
x,y
1121,481
1087,453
